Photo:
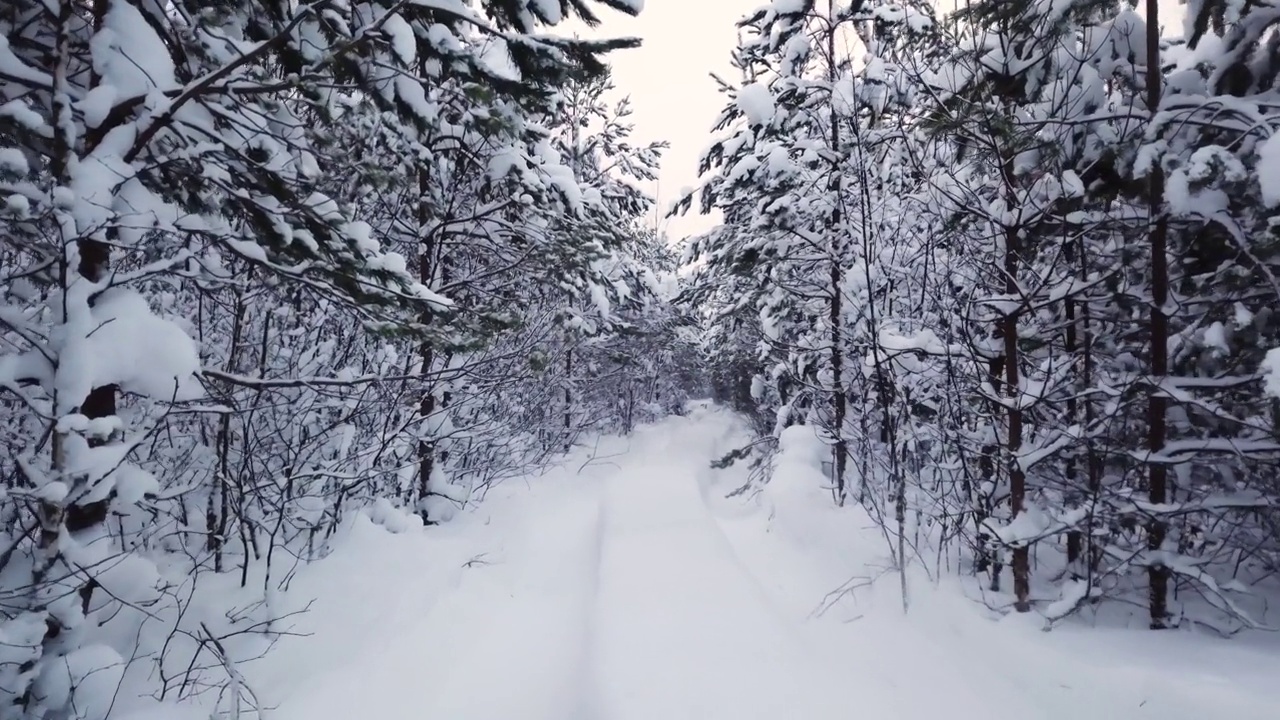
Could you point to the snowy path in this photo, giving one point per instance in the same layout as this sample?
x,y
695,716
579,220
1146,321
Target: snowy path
x,y
632,590
683,630
616,598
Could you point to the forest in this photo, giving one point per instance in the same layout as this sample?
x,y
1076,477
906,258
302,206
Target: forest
x,y
1004,273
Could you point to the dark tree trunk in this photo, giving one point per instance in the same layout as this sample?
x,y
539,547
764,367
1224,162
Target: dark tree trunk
x,y
427,257
568,400
840,449
1157,478
1017,479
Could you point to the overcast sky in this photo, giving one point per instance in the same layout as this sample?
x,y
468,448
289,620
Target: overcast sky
x,y
668,79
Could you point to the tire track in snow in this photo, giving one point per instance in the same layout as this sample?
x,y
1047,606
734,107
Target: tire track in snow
x,y
536,639
509,642
685,631
763,591
586,702
874,685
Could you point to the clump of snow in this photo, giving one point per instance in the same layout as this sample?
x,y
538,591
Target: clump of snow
x,y
1242,317
85,679
22,114
12,161
756,102
129,55
390,517
53,492
1269,170
1215,337
403,41
1271,372
139,351
18,205
361,233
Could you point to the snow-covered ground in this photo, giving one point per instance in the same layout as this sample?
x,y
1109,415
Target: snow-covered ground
x,y
631,588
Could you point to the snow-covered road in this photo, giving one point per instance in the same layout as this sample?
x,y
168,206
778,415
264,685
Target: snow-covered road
x,y
681,628
633,590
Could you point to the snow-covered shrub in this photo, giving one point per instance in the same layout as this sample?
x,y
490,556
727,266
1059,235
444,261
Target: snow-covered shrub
x,y
261,266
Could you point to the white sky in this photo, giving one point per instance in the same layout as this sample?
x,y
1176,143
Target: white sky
x,y
668,79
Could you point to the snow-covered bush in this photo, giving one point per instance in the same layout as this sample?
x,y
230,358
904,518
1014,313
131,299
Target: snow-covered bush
x,y
262,265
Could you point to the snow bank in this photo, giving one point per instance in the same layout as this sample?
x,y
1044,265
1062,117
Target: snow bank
x,y
832,568
484,617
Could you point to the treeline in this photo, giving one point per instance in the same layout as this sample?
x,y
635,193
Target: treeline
x,y
1018,265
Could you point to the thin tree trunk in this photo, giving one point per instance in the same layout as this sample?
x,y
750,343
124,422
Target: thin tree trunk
x,y
568,400
840,448
1071,344
1157,479
1021,564
1093,459
1075,539
988,560
51,515
216,516
93,266
427,252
